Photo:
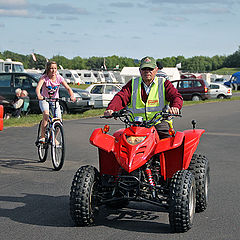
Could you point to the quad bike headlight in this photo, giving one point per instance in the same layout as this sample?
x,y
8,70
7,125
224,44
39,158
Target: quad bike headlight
x,y
134,140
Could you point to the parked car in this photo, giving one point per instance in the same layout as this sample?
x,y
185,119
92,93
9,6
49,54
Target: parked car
x,y
9,82
102,94
193,89
220,80
218,90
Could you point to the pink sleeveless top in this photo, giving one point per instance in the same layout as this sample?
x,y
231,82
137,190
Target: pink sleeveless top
x,y
50,89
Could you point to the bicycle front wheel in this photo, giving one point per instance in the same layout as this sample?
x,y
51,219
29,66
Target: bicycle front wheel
x,y
42,148
57,146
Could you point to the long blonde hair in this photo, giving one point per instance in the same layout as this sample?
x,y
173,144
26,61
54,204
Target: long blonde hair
x,y
48,65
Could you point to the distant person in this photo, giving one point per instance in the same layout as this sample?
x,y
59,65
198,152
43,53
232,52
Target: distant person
x,y
160,73
15,107
48,87
24,94
26,100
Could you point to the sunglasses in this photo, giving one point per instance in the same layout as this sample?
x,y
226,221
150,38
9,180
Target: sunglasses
x,y
147,69
52,88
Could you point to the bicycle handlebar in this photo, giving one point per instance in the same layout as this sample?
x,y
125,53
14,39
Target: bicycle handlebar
x,y
51,99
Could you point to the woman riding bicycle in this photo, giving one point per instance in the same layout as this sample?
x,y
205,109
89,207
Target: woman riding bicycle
x,y
49,84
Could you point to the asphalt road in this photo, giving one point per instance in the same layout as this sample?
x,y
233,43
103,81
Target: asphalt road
x,y
34,199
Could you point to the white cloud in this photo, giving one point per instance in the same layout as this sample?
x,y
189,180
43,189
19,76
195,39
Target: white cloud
x,y
121,4
59,8
8,4
14,13
226,2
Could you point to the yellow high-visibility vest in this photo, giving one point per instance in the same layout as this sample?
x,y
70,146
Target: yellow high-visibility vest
x,y
155,101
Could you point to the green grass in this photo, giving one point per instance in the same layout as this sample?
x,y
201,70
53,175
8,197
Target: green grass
x,y
226,71
210,100
82,86
33,119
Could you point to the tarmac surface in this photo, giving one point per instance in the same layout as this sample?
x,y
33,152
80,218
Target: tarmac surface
x,y
34,199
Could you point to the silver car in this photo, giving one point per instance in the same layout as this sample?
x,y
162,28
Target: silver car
x,y
103,93
218,90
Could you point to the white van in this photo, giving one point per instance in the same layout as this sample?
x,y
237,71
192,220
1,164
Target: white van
x,y
11,66
71,76
100,76
110,78
87,76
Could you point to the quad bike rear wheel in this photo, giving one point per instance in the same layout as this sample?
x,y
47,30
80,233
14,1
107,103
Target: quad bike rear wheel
x,y
182,201
199,167
84,196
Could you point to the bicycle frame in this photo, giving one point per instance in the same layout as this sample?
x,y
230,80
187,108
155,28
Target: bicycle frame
x,y
52,120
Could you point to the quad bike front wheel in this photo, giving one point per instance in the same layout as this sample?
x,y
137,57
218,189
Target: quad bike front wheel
x,y
199,167
84,196
182,201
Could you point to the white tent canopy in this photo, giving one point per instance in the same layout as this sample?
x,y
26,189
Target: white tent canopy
x,y
130,72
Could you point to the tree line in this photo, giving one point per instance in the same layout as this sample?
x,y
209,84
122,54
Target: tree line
x,y
193,64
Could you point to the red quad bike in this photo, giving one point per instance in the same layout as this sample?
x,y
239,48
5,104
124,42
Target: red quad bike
x,y
135,165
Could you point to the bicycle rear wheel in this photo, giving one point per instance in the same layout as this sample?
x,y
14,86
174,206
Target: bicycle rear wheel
x,y
42,148
57,147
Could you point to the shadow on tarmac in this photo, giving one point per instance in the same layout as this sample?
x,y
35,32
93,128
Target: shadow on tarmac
x,y
45,210
23,164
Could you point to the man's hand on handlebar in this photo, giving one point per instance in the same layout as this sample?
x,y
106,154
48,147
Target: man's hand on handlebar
x,y
174,110
108,113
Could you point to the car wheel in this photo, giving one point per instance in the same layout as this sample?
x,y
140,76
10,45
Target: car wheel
x,y
220,96
196,98
63,108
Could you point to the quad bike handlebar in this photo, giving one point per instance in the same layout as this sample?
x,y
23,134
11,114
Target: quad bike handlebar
x,y
127,117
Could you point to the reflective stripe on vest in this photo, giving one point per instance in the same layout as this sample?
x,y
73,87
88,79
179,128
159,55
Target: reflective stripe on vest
x,y
156,98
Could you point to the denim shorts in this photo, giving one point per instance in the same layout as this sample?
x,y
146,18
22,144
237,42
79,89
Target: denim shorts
x,y
44,106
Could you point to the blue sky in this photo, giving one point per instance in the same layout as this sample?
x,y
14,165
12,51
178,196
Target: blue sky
x,y
127,28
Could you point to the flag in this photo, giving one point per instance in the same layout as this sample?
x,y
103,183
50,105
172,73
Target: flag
x,y
179,65
104,64
34,57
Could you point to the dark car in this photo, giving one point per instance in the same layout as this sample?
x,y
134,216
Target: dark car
x,y
193,89
9,82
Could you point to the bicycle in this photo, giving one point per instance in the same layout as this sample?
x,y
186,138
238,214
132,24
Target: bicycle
x,y
54,137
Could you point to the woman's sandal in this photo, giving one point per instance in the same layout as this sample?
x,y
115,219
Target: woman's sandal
x,y
41,140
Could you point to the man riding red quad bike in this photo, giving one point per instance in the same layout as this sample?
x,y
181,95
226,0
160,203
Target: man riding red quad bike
x,y
135,165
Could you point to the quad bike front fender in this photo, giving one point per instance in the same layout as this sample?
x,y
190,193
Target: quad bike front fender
x,y
102,140
170,143
192,138
175,153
